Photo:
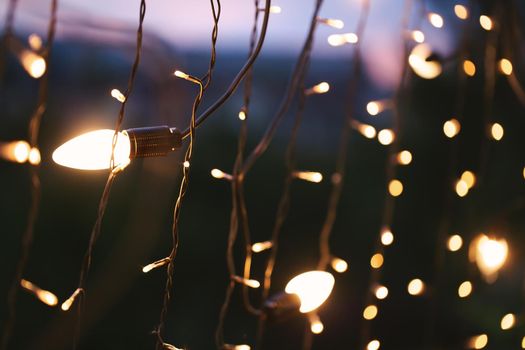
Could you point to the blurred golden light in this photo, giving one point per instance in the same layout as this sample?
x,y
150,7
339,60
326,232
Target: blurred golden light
x,y
370,312
461,188
454,243
387,237
489,254
381,292
155,264
320,88
377,261
375,107
117,95
505,66
461,11
469,177
316,326
373,345
478,341
366,130
339,265
34,156
404,157
15,151
66,305
416,287
395,188
219,174
465,289
342,39
312,288
335,23
33,63
310,176
435,19
386,137
35,42
242,115
276,9
44,296
261,246
523,343
419,64
508,321
496,130
418,36
469,68
451,128
486,22
247,282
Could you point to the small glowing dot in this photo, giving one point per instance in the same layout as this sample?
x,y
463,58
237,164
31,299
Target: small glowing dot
x,y
370,312
119,96
339,265
486,22
418,36
381,292
35,42
37,67
242,115
497,131
261,246
317,327
180,74
505,66
387,237
465,289
373,345
451,128
454,243
404,157
435,19
276,9
479,341
395,188
34,156
373,108
385,137
21,151
186,164
461,11
377,261
367,131
416,287
461,188
335,23
508,321
321,88
469,68
469,177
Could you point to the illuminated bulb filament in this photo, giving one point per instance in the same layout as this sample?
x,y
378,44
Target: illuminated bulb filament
x,y
261,246
316,326
339,265
155,264
247,282
310,176
219,174
44,296
119,96
335,23
66,305
320,88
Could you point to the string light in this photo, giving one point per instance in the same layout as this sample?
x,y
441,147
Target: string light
x,y
375,107
34,156
435,19
261,246
66,305
312,288
469,178
370,312
508,321
486,22
342,39
386,137
465,289
219,174
44,296
469,68
418,36
478,341
366,130
33,63
335,23
373,345
454,243
505,66
395,188
35,42
462,188
242,115
489,254
404,157
248,282
387,237
416,287
119,96
377,260
310,176
316,326
461,11
320,88
381,292
155,264
186,164
496,131
451,128
15,151
339,265
419,64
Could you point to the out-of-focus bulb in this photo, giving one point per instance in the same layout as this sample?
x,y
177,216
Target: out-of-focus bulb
x,y
334,23
310,176
461,11
496,131
35,42
339,265
386,137
469,177
155,264
404,157
451,128
33,63
66,305
381,292
247,282
342,39
366,130
387,237
469,68
370,312
462,188
15,151
377,260
376,107
418,36
312,288
316,326
435,19
92,151
419,64
454,243
508,321
219,174
490,255
34,156
416,287
320,88
242,115
119,96
505,66
486,22
395,188
44,296
478,341
373,345
261,246
465,289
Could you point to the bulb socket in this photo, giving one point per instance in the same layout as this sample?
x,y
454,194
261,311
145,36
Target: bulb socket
x,y
281,307
153,141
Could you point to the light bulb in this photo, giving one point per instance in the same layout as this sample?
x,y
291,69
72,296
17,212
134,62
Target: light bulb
x,y
419,64
454,243
469,68
44,296
418,36
370,312
386,137
155,264
310,176
486,22
381,292
465,289
451,128
33,63
461,11
320,88
478,341
387,237
342,39
416,287
469,177
505,66
15,151
377,260
373,345
316,326
66,305
117,95
92,150
312,288
404,157
366,130
508,321
35,42
435,19
334,23
497,131
261,246
395,188
490,255
339,265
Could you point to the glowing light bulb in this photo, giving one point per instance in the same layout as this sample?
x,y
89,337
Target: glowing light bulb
x,y
505,66
377,261
186,164
435,19
155,264
316,326
454,243
261,246
66,305
181,74
496,131
451,128
461,188
404,157
44,296
387,237
386,137
416,287
339,265
373,345
242,347
15,151
275,9
219,174
310,176
119,96
418,36
419,64
342,39
320,88
478,341
508,321
381,292
486,22
248,282
395,188
461,11
469,177
92,150
469,68
242,115
373,108
334,23
490,255
370,312
34,156
465,289
312,288
33,63
366,130
35,42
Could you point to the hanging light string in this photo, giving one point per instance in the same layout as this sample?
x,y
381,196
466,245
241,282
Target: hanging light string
x,y
391,169
238,214
95,232
33,131
216,12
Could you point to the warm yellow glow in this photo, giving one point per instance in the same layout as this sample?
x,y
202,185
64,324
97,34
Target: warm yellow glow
x,y
465,289
423,68
276,9
167,346
370,312
66,305
454,243
508,321
44,296
387,237
418,36
486,22
339,265
461,11
312,288
374,107
119,96
435,19
469,177
248,282
335,23
33,63
478,341
496,130
366,130
490,255
395,188
461,188
219,174
15,151
377,261
451,128
34,156
505,66
186,164
404,157
523,343
311,176
381,292
416,287
242,115
386,137
469,68
155,264
321,88
316,326
261,246
35,42
180,74
373,345
342,39
92,150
